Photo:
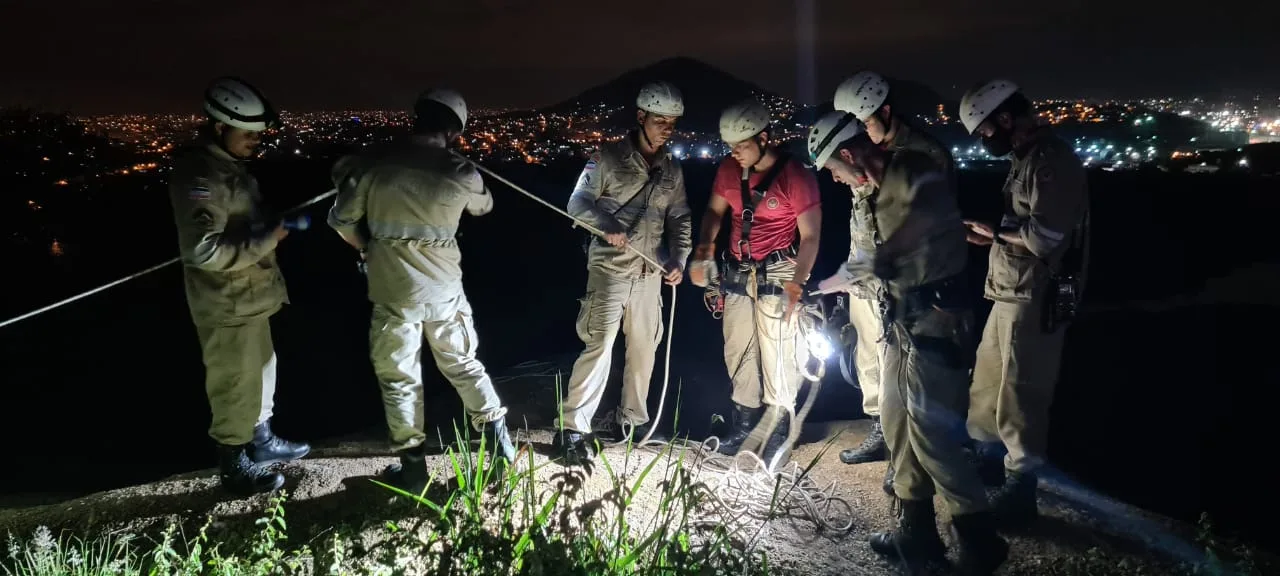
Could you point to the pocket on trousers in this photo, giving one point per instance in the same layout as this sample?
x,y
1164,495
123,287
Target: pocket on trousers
x,y
464,334
657,320
1012,275
583,324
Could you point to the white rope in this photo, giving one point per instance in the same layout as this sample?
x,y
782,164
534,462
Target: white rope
x,y
576,221
746,492
82,295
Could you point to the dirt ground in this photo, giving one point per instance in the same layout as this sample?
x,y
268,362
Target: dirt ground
x,y
1078,533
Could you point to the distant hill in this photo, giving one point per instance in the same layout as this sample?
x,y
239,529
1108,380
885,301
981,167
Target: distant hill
x,y
707,91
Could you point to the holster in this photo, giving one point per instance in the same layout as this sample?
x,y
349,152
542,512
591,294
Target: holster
x,y
1061,302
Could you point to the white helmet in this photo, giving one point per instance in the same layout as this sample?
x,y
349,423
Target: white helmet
x,y
828,132
450,99
660,98
978,103
862,94
234,102
743,120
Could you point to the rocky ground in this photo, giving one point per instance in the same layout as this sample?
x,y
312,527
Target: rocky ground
x,y
1079,532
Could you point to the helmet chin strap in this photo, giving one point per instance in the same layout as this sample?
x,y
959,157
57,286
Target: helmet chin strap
x,y
645,134
755,140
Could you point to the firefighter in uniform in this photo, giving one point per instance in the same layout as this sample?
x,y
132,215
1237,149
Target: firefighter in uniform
x,y
770,197
928,324
233,284
633,191
1035,264
400,206
867,96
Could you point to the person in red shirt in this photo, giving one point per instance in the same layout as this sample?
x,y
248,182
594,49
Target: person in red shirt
x,y
771,198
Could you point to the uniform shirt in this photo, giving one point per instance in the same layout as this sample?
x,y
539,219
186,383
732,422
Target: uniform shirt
x,y
226,245
1045,199
863,238
648,202
908,137
410,197
792,193
917,215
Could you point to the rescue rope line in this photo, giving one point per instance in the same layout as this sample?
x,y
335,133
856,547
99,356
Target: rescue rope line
x,y
578,222
754,491
168,262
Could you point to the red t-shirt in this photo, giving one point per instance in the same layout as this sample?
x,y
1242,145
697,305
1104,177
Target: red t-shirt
x,y
793,192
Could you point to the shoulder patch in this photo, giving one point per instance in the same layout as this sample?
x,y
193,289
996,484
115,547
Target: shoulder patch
x,y
1045,173
198,191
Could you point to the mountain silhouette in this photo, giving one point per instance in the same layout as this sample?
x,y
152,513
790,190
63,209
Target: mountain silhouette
x,y
707,91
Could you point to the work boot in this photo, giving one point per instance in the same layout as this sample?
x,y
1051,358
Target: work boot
x,y
267,448
990,466
744,420
573,447
498,446
981,549
872,449
1014,506
778,441
241,476
915,541
888,479
410,474
634,434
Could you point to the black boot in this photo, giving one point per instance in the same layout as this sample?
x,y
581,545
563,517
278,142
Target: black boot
x,y
990,466
744,420
498,446
778,441
981,549
888,480
872,449
1014,506
573,448
267,448
410,474
634,434
915,540
241,476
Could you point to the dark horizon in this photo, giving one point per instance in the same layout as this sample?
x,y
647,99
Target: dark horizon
x,y
131,57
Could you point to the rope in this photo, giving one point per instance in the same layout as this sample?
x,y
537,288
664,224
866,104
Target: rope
x,y
576,221
82,295
746,492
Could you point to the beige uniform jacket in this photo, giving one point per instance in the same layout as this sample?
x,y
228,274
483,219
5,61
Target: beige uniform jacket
x,y
1046,198
908,137
226,245
406,200
917,215
649,203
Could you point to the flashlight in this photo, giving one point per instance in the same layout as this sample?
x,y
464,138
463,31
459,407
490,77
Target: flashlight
x,y
299,222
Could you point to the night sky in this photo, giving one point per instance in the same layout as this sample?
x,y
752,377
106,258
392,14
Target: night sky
x,y
139,56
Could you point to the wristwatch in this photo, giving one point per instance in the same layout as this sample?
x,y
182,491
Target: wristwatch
x,y
998,240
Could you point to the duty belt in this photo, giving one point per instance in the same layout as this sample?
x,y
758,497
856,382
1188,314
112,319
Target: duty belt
x,y
946,294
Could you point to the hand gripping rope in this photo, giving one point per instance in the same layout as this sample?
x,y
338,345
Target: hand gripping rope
x,y
139,274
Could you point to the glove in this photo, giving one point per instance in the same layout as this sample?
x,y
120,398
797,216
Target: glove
x,y
701,272
845,279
